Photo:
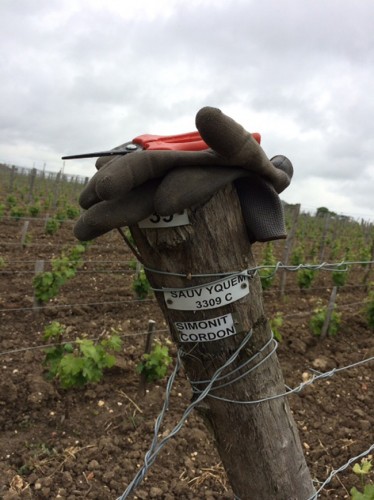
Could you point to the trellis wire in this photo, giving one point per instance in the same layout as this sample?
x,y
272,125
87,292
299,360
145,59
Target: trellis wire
x,y
46,346
156,445
16,218
84,261
305,313
66,245
251,272
58,245
299,388
315,267
248,361
341,469
57,306
313,288
335,472
72,221
156,448
167,289
78,271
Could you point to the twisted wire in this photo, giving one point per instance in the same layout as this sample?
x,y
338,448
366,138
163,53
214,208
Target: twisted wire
x,y
156,445
342,266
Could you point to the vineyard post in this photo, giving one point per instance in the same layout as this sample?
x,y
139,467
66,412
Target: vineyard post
x,y
324,237
25,228
147,350
56,190
369,266
39,268
138,269
31,183
12,177
288,247
46,219
330,310
258,443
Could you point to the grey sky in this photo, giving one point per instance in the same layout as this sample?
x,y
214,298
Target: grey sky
x,y
80,76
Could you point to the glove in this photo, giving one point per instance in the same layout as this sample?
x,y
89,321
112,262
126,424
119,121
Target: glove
x,y
127,189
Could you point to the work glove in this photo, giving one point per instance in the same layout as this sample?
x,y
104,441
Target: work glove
x,y
127,189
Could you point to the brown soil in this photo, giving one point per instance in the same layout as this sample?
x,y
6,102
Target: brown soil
x,y
89,443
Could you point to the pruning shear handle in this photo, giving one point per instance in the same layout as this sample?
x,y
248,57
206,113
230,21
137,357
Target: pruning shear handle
x,y
191,141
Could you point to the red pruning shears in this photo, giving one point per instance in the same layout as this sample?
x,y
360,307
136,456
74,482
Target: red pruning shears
x,y
191,141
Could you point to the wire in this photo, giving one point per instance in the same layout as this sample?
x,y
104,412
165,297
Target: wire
x,y
46,346
336,471
57,306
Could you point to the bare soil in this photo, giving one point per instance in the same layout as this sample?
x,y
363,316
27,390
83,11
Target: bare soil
x,y
90,442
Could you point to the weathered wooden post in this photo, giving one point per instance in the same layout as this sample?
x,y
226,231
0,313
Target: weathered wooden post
x,y
365,279
12,177
329,312
147,350
326,226
258,443
39,268
199,264
288,247
56,191
31,184
25,228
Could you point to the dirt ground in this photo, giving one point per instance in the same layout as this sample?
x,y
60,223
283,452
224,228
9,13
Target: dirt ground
x,y
90,442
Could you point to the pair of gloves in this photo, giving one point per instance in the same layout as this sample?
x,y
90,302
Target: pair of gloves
x,y
127,189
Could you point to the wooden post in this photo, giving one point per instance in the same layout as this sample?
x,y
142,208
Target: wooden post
x,y
46,221
138,269
39,268
258,443
56,189
147,350
288,248
31,184
24,233
365,280
12,177
330,310
324,237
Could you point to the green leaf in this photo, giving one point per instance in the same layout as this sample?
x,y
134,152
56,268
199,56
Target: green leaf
x,y
52,360
110,361
363,468
368,493
357,469
71,364
114,343
70,371
91,371
89,350
54,329
68,347
155,364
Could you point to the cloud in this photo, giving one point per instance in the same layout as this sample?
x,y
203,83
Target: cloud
x,y
81,76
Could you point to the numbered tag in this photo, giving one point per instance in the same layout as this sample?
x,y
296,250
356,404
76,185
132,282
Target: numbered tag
x,y
158,221
217,294
206,330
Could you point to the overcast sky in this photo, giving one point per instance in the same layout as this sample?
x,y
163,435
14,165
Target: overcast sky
x,y
85,75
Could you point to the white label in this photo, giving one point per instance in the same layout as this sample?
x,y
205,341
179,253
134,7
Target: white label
x,y
206,330
217,294
157,221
